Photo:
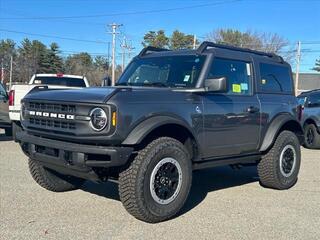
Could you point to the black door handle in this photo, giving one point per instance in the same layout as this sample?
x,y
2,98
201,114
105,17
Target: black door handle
x,y
252,109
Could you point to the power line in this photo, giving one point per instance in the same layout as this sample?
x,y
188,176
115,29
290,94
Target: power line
x,y
52,36
123,13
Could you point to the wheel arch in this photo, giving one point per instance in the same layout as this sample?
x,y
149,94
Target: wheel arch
x,y
280,123
163,126
311,120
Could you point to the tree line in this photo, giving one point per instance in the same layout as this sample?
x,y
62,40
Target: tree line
x,y
32,56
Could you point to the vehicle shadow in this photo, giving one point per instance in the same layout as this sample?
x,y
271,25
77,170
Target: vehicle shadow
x,y
204,181
107,190
4,138
215,179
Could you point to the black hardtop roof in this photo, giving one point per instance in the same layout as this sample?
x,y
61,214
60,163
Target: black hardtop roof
x,y
207,47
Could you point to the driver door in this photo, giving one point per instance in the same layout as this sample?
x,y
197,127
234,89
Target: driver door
x,y
231,119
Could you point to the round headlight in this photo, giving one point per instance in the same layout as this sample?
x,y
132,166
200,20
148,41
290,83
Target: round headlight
x,y
98,119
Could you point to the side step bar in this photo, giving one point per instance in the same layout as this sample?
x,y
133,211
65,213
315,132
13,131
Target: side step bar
x,y
249,159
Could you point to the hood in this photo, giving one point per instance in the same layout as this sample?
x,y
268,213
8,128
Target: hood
x,y
86,95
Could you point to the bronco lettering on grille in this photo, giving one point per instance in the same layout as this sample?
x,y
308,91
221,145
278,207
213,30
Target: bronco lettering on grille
x,y
51,115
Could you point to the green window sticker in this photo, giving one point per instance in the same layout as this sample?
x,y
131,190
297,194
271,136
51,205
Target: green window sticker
x,y
186,78
244,86
236,88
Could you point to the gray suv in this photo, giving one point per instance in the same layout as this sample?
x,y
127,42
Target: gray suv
x,y
310,102
172,112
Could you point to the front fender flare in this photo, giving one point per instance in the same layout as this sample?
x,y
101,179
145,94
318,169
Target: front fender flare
x,y
148,125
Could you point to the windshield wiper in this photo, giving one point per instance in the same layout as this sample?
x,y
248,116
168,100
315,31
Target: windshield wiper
x,y
155,84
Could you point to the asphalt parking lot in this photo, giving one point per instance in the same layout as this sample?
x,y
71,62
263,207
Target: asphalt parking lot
x,y
224,204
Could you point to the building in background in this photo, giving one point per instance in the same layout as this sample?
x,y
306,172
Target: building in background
x,y
308,81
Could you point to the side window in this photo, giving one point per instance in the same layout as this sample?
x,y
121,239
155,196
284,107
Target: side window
x,y
238,74
275,78
3,92
314,100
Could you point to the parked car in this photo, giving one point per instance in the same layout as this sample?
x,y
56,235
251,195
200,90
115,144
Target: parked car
x,y
171,112
53,81
310,102
5,122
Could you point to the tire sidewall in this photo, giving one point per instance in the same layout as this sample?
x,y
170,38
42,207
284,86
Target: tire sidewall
x,y
164,210
285,181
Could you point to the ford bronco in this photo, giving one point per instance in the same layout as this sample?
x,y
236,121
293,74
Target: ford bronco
x,y
171,112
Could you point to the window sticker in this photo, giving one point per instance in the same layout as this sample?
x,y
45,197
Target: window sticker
x,y
186,78
244,86
263,81
236,88
37,81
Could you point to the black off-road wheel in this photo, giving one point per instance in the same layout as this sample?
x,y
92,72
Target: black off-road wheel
x,y
157,183
279,167
52,180
311,137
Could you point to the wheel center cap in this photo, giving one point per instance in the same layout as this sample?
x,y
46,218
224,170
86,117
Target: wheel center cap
x,y
162,180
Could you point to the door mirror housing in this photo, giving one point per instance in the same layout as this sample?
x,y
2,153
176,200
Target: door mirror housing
x,y
216,84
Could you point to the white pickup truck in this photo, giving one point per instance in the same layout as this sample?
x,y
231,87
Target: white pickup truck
x,y
18,92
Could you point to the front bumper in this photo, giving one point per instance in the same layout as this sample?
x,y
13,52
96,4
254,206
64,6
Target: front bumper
x,y
72,158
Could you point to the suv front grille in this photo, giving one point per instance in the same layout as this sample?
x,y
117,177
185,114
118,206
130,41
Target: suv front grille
x,y
41,118
52,123
52,107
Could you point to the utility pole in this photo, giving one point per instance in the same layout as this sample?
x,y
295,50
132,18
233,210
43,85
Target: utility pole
x,y
11,61
114,27
298,58
2,72
123,46
194,41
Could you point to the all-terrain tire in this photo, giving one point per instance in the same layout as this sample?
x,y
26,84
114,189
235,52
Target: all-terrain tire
x,y
269,168
135,181
313,143
51,180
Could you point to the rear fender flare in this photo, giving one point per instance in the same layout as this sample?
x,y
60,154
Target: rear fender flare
x,y
274,128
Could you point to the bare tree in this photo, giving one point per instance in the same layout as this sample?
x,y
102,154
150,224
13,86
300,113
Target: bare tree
x,y
267,42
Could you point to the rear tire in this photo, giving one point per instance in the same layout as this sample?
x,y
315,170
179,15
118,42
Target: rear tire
x,y
157,183
279,167
52,180
311,137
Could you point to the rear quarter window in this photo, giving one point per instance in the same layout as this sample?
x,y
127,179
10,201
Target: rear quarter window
x,y
275,79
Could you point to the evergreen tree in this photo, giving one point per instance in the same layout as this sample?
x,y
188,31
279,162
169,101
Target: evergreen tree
x,y
317,66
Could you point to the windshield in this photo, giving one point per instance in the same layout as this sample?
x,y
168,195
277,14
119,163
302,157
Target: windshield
x,y
171,71
60,81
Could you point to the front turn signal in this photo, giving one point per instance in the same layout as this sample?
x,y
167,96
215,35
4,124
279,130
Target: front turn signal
x,y
114,119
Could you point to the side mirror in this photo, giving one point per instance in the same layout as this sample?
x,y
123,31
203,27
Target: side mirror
x,y
216,84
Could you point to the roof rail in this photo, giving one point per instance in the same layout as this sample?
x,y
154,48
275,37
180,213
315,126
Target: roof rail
x,y
151,49
204,45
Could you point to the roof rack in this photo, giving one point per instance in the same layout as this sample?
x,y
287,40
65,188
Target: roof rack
x,y
204,45
151,49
